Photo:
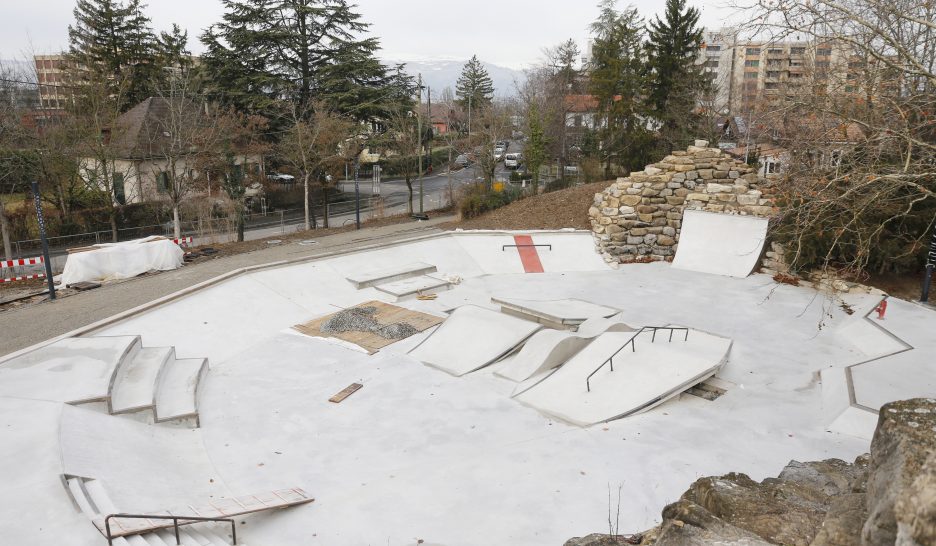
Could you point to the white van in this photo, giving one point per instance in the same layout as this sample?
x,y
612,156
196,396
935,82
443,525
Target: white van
x,y
512,161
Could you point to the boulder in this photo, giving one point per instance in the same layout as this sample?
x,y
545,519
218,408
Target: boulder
x,y
901,480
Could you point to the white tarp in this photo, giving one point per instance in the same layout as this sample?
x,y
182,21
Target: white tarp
x,y
113,261
721,244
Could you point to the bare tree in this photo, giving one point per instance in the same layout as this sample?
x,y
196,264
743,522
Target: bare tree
x,y
182,139
312,145
860,184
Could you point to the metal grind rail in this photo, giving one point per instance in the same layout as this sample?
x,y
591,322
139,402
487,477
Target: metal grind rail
x,y
505,247
185,520
633,345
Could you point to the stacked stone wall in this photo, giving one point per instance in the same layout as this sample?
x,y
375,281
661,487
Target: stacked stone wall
x,y
639,218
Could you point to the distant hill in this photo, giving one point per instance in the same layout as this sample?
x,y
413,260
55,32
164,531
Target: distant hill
x,y
439,74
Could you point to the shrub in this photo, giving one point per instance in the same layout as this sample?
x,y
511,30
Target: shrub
x,y
478,199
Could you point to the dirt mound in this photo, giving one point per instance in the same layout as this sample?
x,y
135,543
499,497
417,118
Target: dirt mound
x,y
566,208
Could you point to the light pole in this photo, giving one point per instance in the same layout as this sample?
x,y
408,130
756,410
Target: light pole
x,y
419,131
45,241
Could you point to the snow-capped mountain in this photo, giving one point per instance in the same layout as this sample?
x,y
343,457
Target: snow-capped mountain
x,y
439,74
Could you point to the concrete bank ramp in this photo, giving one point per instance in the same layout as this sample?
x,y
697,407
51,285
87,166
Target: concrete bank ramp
x,y
642,379
549,349
721,244
472,338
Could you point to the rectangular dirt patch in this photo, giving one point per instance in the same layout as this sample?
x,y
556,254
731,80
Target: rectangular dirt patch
x,y
372,325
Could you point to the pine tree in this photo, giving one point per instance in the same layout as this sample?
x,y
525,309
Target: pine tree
x,y
474,83
112,40
267,51
172,49
619,79
677,80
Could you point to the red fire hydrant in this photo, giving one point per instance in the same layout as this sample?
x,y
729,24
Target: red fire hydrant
x,y
882,308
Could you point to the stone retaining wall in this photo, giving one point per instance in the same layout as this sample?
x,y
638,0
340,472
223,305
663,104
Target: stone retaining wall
x,y
639,217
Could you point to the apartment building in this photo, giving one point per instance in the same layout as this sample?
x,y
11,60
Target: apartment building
x,y
51,75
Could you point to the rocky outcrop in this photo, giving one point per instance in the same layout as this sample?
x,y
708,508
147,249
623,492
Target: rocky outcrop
x,y
639,218
885,498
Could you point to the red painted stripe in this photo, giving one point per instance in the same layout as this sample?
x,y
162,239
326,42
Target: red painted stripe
x,y
528,254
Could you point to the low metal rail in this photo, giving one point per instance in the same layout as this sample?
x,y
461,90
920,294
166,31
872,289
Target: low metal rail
x,y
185,520
633,345
505,247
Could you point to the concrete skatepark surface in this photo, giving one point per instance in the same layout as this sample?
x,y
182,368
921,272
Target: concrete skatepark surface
x,y
721,244
418,454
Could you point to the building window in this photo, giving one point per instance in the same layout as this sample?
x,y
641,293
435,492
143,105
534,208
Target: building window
x,y
824,51
711,63
771,85
855,65
775,51
713,48
753,51
796,63
752,63
774,62
822,64
119,194
162,182
796,75
797,50
750,75
773,74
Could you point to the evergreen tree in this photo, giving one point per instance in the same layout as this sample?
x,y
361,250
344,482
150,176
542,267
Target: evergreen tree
x,y
535,152
677,80
172,49
268,51
112,41
619,79
474,83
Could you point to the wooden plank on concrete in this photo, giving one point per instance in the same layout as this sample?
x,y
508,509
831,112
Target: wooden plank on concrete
x,y
345,392
385,314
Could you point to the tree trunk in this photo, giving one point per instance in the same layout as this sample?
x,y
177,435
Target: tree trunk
x,y
5,229
113,224
240,223
325,204
176,224
409,187
305,200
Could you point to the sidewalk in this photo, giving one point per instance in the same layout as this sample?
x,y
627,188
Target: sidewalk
x,y
27,326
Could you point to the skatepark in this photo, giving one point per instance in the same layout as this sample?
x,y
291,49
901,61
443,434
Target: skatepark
x,y
458,388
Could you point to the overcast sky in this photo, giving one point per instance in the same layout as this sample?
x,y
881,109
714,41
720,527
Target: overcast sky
x,y
510,33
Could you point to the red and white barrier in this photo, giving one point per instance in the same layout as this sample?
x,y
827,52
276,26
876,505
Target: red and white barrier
x,y
22,261
184,241
24,278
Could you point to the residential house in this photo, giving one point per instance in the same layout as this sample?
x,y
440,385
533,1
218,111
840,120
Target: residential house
x,y
140,168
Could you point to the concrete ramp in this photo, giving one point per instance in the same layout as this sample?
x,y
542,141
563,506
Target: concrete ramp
x,y
472,338
563,314
643,378
720,244
548,349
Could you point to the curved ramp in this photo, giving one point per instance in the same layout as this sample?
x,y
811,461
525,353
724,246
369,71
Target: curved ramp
x,y
548,349
721,244
642,379
472,338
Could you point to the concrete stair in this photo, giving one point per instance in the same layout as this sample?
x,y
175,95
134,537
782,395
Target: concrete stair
x,y
135,386
177,387
92,500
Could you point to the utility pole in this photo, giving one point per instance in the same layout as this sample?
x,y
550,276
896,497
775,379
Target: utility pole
x,y
420,140
930,266
429,144
45,242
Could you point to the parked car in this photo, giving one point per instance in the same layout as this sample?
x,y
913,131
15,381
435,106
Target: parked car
x,y
499,153
282,178
512,161
462,160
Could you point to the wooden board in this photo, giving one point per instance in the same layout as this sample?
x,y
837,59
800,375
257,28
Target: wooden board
x,y
385,314
345,392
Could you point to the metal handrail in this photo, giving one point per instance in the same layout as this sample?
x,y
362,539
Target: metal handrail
x,y
632,343
186,520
